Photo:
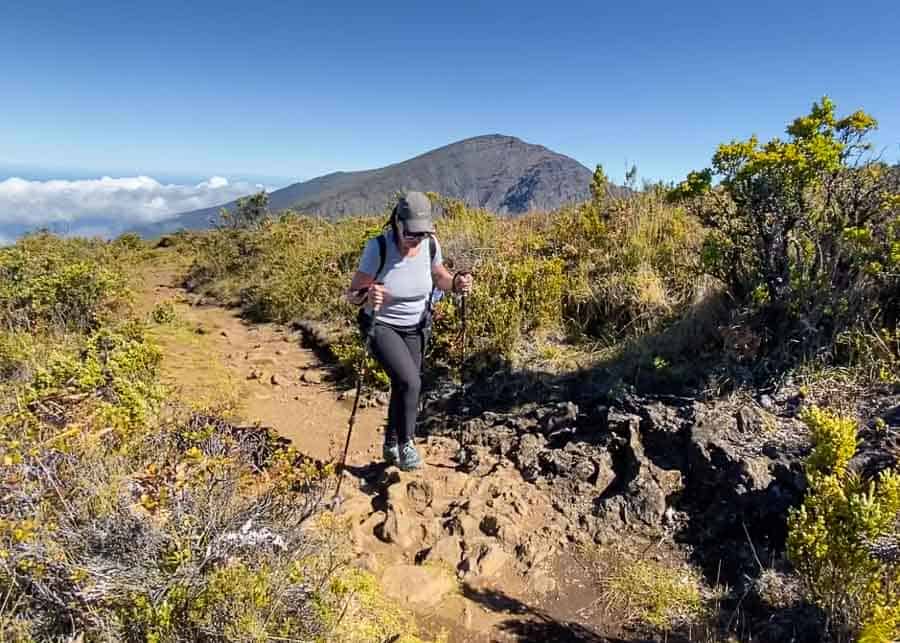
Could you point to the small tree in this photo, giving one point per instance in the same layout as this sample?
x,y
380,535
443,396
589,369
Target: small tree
x,y
599,184
631,177
251,212
807,227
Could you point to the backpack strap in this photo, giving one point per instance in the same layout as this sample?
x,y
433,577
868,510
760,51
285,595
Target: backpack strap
x,y
382,254
432,250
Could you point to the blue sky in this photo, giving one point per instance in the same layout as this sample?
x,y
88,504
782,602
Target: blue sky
x,y
277,91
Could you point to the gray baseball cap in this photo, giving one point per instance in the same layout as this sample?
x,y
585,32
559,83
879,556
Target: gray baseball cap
x,y
414,210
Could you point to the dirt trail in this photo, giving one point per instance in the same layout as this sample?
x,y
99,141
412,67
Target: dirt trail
x,y
210,353
470,554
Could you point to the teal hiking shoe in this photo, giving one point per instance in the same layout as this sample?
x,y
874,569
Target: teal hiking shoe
x,y
409,457
391,454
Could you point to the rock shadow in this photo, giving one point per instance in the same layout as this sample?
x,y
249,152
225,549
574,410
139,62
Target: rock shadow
x,y
533,625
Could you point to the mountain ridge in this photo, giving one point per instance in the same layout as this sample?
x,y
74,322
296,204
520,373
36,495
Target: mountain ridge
x,y
499,172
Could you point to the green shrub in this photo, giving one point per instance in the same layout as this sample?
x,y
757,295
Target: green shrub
x,y
295,267
349,353
805,229
665,596
129,241
632,263
830,534
250,212
16,350
164,313
608,267
49,282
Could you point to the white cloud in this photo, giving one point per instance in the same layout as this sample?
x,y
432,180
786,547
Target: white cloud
x,y
120,201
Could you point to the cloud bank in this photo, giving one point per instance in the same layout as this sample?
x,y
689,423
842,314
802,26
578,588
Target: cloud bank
x,y
107,204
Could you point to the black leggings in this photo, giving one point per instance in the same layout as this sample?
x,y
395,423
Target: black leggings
x,y
399,351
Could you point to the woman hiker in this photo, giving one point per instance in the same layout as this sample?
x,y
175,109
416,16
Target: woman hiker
x,y
397,274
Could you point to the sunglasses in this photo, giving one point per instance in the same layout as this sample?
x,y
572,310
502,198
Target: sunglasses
x,y
415,235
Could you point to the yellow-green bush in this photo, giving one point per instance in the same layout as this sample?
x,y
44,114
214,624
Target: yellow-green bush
x,y
830,534
16,348
665,596
805,228
163,312
295,267
632,263
513,298
49,282
608,267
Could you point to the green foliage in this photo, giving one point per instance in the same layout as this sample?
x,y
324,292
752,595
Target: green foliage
x,y
599,184
631,264
129,242
137,522
803,228
16,349
650,593
45,281
604,268
294,267
350,352
829,535
512,300
164,312
250,212
117,365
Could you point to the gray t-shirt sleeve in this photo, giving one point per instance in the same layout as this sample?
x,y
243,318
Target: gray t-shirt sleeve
x,y
438,257
370,259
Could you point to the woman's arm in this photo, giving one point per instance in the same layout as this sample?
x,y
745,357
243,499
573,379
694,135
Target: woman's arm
x,y
359,286
442,277
460,282
363,288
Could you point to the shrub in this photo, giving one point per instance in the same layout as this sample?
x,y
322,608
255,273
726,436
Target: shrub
x,y
631,263
652,594
611,267
830,534
164,312
295,267
129,241
665,596
250,212
804,228
16,350
48,282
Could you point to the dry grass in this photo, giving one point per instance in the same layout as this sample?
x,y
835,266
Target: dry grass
x,y
656,593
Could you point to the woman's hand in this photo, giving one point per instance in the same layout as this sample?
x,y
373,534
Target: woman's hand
x,y
462,282
377,296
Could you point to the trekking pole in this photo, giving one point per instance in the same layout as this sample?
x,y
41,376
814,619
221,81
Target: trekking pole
x,y
461,453
361,374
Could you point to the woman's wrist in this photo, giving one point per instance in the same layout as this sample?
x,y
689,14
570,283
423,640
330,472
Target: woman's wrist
x,y
357,297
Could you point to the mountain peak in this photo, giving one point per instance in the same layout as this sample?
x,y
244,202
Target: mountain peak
x,y
495,171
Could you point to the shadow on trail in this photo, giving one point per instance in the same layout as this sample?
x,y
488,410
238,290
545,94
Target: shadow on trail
x,y
532,625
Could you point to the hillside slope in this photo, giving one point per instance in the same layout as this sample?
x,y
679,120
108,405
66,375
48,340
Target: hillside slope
x,y
501,173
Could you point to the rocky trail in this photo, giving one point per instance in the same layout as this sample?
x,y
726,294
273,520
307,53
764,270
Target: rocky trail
x,y
506,543
473,554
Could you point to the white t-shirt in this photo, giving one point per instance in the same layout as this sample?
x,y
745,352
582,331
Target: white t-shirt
x,y
407,280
